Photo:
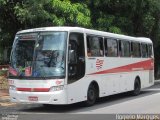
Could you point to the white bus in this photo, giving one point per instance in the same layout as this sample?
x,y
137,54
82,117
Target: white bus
x,y
65,65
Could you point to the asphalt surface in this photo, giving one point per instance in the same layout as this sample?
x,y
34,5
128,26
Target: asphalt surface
x,y
107,108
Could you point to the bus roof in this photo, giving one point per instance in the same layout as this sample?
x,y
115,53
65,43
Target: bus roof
x,y
88,31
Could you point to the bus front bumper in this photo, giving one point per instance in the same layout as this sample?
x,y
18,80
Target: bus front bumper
x,y
56,97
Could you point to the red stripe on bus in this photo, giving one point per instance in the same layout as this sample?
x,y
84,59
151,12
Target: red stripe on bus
x,y
23,89
42,89
139,66
34,89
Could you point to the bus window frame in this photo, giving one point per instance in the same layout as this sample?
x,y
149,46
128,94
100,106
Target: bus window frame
x,y
120,47
152,53
146,45
103,49
140,56
106,47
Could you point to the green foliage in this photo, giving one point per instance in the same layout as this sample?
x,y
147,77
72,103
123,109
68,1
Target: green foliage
x,y
2,2
71,13
32,13
148,23
114,29
53,12
105,22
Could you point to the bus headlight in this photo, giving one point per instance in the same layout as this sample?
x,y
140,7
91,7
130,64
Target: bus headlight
x,y
12,87
57,88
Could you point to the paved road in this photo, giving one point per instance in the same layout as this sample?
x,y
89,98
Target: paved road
x,y
148,102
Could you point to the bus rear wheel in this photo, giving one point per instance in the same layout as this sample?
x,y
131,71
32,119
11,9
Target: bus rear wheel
x,y
91,96
137,87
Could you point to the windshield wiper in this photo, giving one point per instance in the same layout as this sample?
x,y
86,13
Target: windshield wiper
x,y
52,57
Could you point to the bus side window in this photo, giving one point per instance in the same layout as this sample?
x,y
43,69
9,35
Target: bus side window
x,y
136,49
111,47
150,53
144,50
124,47
94,46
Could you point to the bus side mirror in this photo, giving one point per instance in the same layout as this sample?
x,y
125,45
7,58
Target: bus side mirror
x,y
72,57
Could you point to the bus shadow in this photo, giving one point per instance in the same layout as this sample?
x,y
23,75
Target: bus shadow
x,y
79,107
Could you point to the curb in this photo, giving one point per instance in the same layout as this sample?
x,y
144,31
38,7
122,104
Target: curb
x,y
156,80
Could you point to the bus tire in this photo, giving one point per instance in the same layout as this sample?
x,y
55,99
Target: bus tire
x,y
91,95
137,87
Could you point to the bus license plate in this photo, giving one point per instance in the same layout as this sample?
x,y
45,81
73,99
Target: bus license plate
x,y
33,98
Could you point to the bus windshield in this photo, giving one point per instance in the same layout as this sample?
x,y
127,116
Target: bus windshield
x,y
38,55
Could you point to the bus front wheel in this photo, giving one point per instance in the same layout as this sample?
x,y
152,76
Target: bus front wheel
x,y
91,96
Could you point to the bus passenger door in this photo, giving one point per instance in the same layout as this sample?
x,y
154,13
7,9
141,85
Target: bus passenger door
x,y
76,65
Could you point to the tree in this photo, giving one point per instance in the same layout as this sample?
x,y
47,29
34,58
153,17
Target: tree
x,y
37,13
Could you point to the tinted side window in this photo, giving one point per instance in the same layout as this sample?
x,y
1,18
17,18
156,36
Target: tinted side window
x,y
111,47
95,46
135,47
144,50
124,48
150,51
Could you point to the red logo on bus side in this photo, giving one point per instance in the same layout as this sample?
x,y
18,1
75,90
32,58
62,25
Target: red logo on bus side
x,y
99,63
